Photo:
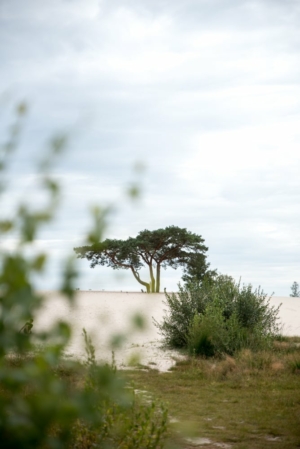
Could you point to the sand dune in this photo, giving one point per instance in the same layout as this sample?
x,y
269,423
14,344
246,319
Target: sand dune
x,y
104,314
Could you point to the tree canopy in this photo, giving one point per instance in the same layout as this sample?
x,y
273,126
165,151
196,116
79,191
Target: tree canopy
x,y
170,247
197,269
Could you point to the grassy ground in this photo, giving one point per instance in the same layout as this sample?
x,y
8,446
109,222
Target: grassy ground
x,y
250,401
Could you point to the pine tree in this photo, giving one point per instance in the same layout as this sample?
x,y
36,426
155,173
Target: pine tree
x,y
295,290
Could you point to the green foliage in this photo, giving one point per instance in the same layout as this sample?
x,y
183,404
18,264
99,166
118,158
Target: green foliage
x,y
182,307
197,270
39,407
218,317
295,290
199,337
162,248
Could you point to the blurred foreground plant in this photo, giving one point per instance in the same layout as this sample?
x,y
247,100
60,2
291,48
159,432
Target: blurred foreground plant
x,y
38,406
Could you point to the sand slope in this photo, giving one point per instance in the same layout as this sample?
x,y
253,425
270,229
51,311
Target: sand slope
x,y
104,314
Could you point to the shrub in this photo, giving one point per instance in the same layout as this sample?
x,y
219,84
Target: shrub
x,y
199,339
219,317
182,307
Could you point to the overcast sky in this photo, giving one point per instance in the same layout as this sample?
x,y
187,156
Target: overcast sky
x,y
206,93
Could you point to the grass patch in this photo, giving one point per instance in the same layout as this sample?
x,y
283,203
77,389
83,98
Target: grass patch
x,y
249,400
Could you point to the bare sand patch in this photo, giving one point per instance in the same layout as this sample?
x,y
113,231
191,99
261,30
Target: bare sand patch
x,y
104,314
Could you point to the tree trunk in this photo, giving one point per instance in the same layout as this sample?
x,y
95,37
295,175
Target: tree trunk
x,y
152,278
157,278
137,277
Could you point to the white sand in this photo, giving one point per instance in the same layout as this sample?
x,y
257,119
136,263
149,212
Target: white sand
x,y
104,314
289,314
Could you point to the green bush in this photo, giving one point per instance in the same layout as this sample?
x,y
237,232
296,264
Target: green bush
x,y
199,339
211,334
219,317
182,307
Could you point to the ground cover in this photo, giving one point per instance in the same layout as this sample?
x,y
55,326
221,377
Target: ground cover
x,y
250,400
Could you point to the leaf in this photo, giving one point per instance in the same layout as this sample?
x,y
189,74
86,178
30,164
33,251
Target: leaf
x,y
6,226
38,262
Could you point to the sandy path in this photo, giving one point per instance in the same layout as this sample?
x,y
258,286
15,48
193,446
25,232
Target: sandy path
x,y
104,314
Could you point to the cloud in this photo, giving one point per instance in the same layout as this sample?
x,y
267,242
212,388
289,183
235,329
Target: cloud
x,y
206,93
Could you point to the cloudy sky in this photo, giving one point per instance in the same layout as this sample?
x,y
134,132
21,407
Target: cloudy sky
x,y
205,93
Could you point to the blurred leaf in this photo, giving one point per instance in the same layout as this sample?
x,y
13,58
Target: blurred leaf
x,y
100,217
38,262
117,341
138,321
69,275
42,216
51,185
6,226
22,108
28,227
58,143
134,192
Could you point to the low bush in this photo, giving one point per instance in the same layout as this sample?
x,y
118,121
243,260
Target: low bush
x,y
219,317
182,307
